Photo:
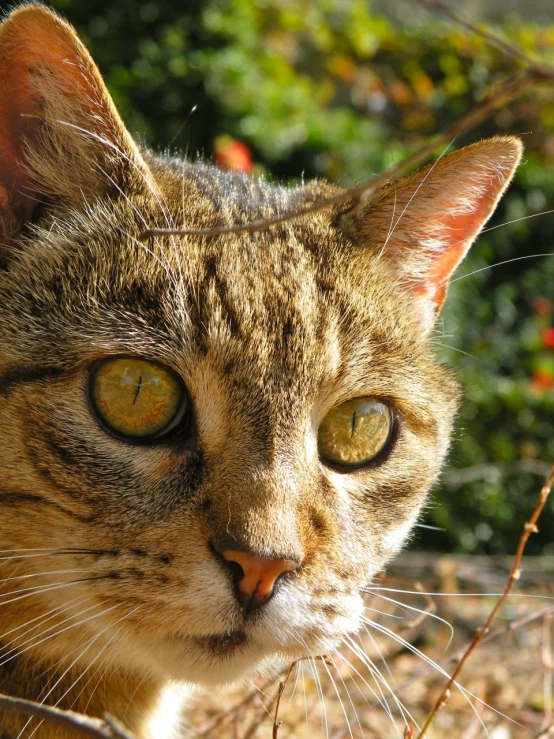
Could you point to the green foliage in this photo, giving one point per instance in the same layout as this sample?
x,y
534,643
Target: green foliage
x,y
330,89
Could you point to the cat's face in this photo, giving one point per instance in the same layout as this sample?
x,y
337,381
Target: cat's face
x,y
256,340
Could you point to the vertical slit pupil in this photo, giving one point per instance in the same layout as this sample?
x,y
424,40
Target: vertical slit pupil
x,y
137,391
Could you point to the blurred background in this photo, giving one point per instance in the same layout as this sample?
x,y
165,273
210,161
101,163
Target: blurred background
x,y
343,89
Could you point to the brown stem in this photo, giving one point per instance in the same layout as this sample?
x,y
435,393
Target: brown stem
x,y
540,70
282,686
359,193
78,723
529,528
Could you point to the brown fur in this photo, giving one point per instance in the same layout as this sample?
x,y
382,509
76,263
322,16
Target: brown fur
x,y
268,331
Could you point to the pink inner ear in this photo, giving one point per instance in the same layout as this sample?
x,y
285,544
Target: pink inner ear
x,y
20,111
460,231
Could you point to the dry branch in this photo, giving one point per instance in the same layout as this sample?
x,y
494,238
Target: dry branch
x,y
282,686
529,528
358,194
77,722
540,70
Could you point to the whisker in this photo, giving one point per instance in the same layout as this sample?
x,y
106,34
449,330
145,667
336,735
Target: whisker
x,y
79,677
420,611
37,589
348,721
89,644
377,647
498,264
465,692
41,574
410,200
381,679
306,716
315,672
107,662
371,590
111,145
124,195
333,683
517,220
16,652
38,621
381,700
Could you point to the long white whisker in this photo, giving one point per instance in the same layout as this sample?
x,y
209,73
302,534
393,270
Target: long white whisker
x,y
321,695
348,721
333,683
165,265
110,144
381,697
106,663
37,589
517,220
79,677
37,622
377,647
306,716
465,692
420,611
410,200
372,590
89,643
381,679
498,264
41,619
43,574
17,651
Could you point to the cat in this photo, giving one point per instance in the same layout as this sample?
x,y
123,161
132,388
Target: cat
x,y
208,444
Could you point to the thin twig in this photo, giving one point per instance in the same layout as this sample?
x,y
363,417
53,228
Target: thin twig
x,y
548,665
539,69
78,723
119,731
507,92
282,686
529,528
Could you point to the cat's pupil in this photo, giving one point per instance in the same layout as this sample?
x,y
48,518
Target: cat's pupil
x,y
137,391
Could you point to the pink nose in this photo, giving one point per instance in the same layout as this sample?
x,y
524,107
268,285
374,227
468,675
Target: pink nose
x,y
259,575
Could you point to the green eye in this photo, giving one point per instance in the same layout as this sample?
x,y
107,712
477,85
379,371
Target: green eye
x,y
137,398
355,432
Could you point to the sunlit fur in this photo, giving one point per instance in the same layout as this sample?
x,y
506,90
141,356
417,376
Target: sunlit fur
x,y
268,331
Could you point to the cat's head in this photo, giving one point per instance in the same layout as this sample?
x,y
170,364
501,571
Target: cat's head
x,y
226,437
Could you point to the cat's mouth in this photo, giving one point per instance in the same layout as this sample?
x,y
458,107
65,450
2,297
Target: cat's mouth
x,y
223,644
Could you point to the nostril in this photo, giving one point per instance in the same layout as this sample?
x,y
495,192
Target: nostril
x,y
258,576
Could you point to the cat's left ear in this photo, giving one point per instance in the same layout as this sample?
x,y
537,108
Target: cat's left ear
x,y
425,223
61,137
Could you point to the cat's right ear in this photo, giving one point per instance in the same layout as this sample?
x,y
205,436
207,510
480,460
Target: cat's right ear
x,y
61,138
423,225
